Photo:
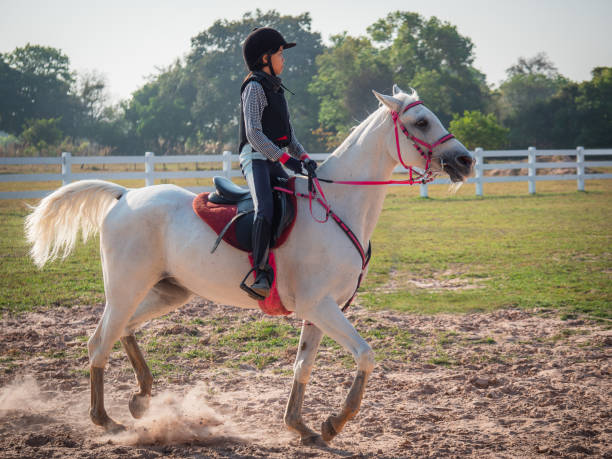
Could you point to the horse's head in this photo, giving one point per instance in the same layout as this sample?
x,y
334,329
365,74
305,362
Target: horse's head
x,y
424,131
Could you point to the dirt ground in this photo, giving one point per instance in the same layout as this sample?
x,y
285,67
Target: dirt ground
x,y
504,384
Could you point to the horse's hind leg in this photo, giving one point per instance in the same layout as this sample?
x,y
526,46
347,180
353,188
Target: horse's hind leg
x,y
100,345
125,285
139,401
165,296
304,361
97,412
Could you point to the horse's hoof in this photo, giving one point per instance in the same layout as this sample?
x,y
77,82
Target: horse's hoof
x,y
139,404
105,421
327,430
113,427
312,440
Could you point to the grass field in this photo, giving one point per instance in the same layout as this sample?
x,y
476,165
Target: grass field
x,y
443,254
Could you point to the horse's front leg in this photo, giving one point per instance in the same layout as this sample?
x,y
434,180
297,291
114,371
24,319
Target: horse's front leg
x,y
329,318
304,361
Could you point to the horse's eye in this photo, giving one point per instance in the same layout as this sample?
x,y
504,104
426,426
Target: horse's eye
x,y
422,123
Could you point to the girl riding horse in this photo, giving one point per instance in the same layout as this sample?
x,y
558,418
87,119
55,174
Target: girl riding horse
x,y
265,130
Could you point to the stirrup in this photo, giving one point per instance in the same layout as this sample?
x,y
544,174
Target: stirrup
x,y
252,293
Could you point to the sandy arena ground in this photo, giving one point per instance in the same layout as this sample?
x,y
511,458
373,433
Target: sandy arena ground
x,y
509,384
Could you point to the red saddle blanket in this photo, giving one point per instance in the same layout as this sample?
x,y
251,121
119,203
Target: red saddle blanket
x,y
217,216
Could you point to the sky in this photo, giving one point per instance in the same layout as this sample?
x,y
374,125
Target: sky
x,y
128,40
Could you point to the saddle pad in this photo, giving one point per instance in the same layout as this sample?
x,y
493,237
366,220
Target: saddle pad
x,y
272,305
218,215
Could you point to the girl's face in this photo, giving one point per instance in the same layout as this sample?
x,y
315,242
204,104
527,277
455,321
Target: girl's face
x,y
278,61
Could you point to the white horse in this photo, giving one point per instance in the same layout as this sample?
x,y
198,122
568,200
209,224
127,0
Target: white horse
x,y
155,253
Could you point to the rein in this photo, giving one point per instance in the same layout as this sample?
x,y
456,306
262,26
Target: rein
x,y
315,192
424,177
416,177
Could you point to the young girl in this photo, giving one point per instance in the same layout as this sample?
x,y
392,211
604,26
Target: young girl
x,y
265,130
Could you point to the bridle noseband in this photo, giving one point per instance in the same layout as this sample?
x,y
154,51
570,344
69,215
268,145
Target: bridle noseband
x,y
427,175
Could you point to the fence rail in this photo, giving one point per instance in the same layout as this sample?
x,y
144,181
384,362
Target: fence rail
x,y
227,158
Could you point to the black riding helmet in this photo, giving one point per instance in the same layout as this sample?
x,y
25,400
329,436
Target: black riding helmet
x,y
262,41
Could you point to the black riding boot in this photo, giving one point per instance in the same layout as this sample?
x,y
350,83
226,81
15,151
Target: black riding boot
x,y
263,271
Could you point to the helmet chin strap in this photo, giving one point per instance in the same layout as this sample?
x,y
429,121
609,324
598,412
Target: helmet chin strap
x,y
270,64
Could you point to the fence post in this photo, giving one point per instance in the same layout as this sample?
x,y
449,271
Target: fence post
x,y
66,167
424,190
227,164
580,167
149,168
531,160
478,170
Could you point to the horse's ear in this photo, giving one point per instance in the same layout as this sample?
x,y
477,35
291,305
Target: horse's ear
x,y
391,102
396,90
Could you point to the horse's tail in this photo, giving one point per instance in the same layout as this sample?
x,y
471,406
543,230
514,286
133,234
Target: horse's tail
x,y
54,224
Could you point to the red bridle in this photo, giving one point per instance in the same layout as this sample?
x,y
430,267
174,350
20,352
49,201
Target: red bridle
x,y
421,177
415,177
426,176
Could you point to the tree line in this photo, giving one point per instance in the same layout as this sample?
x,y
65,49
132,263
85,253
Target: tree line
x,y
192,106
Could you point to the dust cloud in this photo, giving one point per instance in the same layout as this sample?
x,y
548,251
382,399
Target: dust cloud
x,y
174,418
23,394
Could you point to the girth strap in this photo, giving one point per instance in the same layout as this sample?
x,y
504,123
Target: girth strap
x,y
367,260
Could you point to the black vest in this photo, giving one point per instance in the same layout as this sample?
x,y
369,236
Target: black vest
x,y
275,117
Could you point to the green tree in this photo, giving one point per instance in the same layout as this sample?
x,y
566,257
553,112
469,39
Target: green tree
x,y
431,56
91,90
42,61
448,93
36,83
159,113
44,81
581,113
475,129
42,133
404,48
195,104
114,130
216,70
13,109
524,101
594,105
347,72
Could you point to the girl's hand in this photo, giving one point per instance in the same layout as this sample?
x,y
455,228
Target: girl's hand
x,y
310,166
295,165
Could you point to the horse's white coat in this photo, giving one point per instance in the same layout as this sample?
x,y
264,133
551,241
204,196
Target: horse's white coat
x,y
152,233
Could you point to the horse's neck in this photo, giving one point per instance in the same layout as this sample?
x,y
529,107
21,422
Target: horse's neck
x,y
363,156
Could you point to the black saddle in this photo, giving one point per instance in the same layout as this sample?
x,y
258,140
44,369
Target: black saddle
x,y
228,193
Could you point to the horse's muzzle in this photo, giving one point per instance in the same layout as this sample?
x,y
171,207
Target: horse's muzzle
x,y
457,164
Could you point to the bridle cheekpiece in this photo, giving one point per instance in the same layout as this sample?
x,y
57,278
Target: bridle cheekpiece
x,y
427,175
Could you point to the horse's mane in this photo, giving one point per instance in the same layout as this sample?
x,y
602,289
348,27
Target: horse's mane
x,y
374,119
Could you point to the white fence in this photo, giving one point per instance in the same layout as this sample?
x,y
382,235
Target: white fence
x,y
149,176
